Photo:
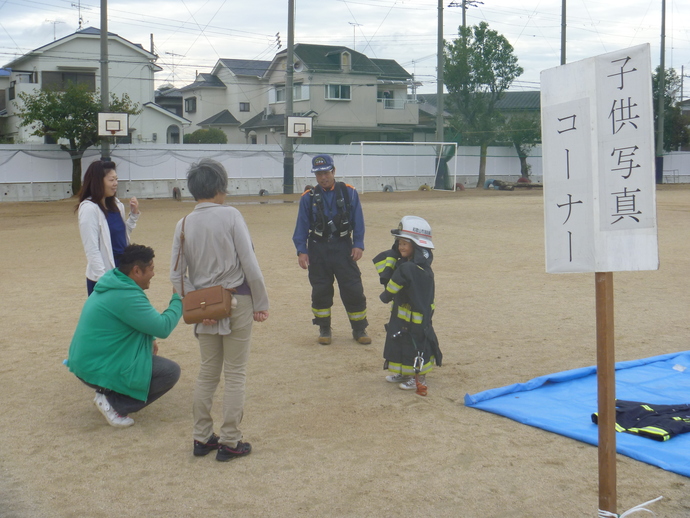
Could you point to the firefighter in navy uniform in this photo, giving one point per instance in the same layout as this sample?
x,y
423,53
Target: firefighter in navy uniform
x,y
329,238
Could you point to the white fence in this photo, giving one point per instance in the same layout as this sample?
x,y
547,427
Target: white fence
x,y
44,172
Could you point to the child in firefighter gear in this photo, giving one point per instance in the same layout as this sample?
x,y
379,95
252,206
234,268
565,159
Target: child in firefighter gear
x,y
329,238
411,347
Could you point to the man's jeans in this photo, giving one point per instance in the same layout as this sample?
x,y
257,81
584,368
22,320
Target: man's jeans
x,y
164,375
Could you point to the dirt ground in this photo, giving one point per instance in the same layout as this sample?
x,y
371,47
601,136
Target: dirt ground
x,y
331,438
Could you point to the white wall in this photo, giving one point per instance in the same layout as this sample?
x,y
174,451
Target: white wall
x,y
43,172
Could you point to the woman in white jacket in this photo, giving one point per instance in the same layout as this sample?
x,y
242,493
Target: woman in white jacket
x,y
102,224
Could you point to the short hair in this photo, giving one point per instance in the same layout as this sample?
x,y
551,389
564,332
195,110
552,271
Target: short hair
x,y
135,255
206,179
92,186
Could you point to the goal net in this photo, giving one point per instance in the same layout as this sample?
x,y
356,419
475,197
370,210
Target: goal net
x,y
406,166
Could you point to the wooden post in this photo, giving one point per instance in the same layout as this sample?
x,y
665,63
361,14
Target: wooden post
x,y
606,390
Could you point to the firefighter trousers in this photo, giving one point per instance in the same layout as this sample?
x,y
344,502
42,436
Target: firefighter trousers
x,y
329,260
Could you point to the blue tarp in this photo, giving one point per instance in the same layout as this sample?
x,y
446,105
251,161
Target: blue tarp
x,y
564,402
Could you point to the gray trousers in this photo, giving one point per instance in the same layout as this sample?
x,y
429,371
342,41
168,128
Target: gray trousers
x,y
164,375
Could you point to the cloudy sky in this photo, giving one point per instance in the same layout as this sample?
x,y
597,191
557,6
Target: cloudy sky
x,y
191,35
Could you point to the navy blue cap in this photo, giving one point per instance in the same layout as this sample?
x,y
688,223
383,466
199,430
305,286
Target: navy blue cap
x,y
322,163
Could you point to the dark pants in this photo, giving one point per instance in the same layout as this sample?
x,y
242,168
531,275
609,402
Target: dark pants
x,y
329,260
164,375
90,285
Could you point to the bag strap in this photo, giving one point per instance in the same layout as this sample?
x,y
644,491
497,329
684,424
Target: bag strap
x,y
180,252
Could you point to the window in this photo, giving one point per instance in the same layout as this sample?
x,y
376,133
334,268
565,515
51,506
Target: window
x,y
58,81
338,92
244,107
190,104
299,93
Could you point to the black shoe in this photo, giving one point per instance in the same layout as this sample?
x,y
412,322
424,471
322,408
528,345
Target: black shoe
x,y
325,335
361,336
226,453
204,448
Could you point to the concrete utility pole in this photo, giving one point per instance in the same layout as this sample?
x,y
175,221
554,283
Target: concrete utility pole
x,y
288,156
660,100
439,75
105,101
563,25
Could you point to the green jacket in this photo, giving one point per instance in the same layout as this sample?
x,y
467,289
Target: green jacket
x,y
112,346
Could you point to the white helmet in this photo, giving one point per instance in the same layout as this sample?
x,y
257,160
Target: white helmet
x,y
415,229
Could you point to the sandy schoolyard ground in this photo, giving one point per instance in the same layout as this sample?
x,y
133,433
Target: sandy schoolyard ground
x,y
331,438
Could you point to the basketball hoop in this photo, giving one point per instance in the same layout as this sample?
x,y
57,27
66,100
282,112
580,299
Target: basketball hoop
x,y
300,133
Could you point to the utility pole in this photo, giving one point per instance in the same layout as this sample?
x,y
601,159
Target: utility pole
x,y
288,156
105,104
563,25
439,75
661,82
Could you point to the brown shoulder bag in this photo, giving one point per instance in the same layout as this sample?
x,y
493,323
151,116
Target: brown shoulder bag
x,y
214,303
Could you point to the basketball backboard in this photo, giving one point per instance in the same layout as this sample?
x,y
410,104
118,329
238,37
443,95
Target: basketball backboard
x,y
113,124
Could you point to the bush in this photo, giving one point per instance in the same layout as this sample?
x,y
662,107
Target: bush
x,y
206,136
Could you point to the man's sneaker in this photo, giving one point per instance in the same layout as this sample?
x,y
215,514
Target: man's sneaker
x,y
324,335
397,378
113,418
226,453
411,384
361,336
204,448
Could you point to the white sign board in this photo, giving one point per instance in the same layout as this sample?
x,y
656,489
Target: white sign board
x,y
598,160
113,124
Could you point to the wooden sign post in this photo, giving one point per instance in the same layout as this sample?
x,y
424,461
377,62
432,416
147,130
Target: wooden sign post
x,y
600,198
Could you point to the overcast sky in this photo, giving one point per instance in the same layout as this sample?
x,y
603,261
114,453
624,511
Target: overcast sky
x,y
191,35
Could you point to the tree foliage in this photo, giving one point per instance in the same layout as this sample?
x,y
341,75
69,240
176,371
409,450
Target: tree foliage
x,y
70,115
523,131
676,133
206,136
479,67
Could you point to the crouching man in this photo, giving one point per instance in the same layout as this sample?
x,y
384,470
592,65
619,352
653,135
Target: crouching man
x,y
114,349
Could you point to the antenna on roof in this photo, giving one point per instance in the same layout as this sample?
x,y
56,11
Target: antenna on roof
x,y
79,7
173,64
54,22
354,28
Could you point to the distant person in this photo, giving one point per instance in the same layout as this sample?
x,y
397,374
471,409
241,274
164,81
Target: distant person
x,y
114,347
411,347
102,224
218,250
329,238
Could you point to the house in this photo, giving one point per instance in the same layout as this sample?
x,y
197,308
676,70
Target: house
x,y
76,58
511,102
229,96
349,96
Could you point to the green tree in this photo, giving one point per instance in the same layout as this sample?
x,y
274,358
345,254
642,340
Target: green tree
x,y
676,133
523,131
70,115
479,68
206,136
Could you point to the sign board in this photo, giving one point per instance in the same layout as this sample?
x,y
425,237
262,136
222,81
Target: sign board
x,y
113,124
299,127
598,159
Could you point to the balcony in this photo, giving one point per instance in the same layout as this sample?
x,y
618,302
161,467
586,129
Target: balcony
x,y
397,111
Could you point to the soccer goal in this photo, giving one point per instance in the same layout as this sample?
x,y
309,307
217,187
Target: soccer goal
x,y
408,166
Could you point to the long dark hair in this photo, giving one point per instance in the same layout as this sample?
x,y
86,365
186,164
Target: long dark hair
x,y
92,186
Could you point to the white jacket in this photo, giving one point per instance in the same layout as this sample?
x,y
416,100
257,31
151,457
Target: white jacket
x,y
95,235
